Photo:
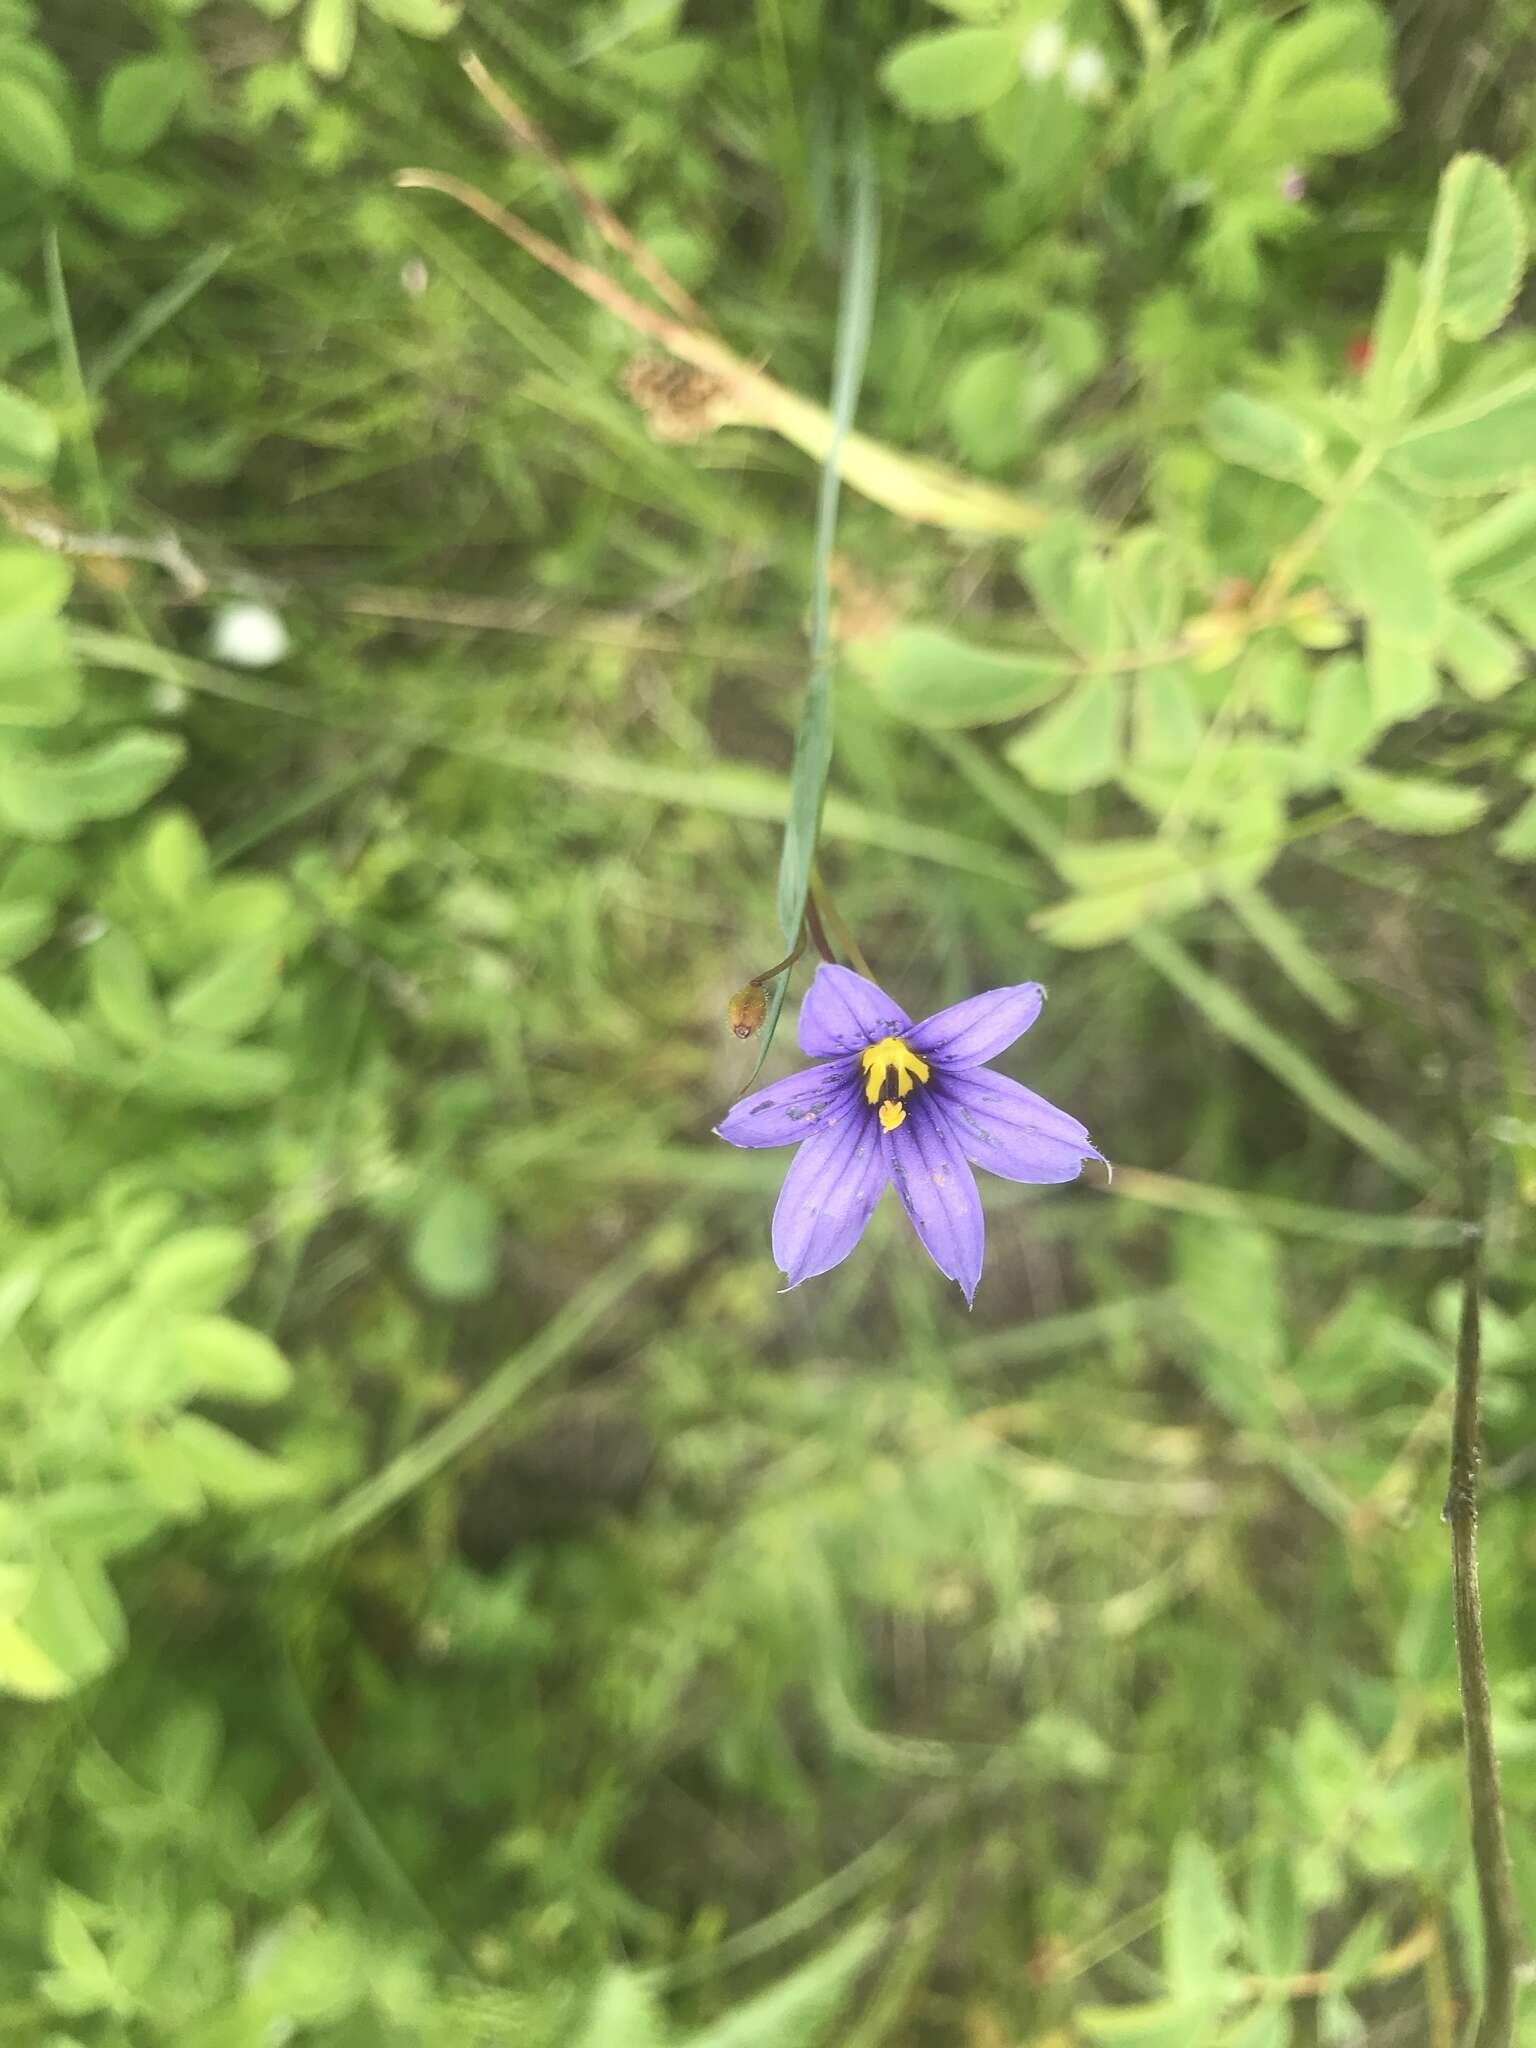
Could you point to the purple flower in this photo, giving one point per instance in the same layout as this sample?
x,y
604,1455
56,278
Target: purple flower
x,y
903,1102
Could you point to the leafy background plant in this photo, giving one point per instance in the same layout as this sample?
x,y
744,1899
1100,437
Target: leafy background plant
x,y
445,1593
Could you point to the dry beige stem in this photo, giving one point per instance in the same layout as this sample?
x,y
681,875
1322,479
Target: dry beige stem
x,y
928,493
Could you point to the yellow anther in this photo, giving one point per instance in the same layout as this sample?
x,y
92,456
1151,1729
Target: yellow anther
x,y
892,1056
892,1116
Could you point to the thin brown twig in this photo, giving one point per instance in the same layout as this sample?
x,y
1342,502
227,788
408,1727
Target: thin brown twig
x,y
1490,1855
911,486
598,212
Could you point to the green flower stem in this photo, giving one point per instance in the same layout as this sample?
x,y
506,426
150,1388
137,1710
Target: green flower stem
x,y
1490,1855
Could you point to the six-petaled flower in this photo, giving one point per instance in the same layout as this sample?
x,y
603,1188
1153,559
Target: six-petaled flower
x,y
910,1104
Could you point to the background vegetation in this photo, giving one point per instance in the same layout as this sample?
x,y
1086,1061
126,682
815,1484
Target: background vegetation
x,y
446,1594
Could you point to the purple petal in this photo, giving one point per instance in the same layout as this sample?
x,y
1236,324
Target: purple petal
x,y
800,1106
938,1190
979,1028
1011,1131
843,1013
829,1194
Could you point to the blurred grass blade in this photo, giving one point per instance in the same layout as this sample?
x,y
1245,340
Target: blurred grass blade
x,y
549,1347
1283,941
156,313
730,789
813,743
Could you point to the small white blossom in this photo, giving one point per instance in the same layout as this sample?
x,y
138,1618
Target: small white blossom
x,y
414,277
1086,75
249,635
167,698
1043,51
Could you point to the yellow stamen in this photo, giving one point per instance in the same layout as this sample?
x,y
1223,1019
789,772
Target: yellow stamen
x,y
892,1116
891,1056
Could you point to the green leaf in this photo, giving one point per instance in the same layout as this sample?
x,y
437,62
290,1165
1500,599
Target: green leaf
x,y
1476,253
668,70
1123,884
1403,679
623,2014
1404,803
82,1981
1277,1923
1475,446
184,1751
121,1357
330,28
1497,546
1482,658
1265,2026
32,580
138,103
1335,117
1070,582
32,134
1517,838
798,2011
1167,724
929,677
50,797
1315,48
230,1360
24,924
133,199
1163,2023
27,1672
72,1617
1280,677
1261,436
228,1469
123,991
1515,604
231,994
29,440
29,1035
1342,723
1150,576
951,71
1405,344
1199,1927
196,1269
1380,559
211,1071
39,678
454,1248
1075,745
984,404
174,858
419,17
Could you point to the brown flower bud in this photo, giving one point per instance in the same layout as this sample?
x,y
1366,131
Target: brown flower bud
x,y
746,1010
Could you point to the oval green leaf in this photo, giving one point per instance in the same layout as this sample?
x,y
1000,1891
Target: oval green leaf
x,y
1476,251
951,72
1476,446
1403,803
32,133
929,677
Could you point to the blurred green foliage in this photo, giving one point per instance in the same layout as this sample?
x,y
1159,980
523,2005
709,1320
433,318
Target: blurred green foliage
x,y
446,1594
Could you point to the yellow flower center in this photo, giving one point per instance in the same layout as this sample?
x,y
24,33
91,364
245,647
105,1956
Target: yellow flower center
x,y
890,1068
